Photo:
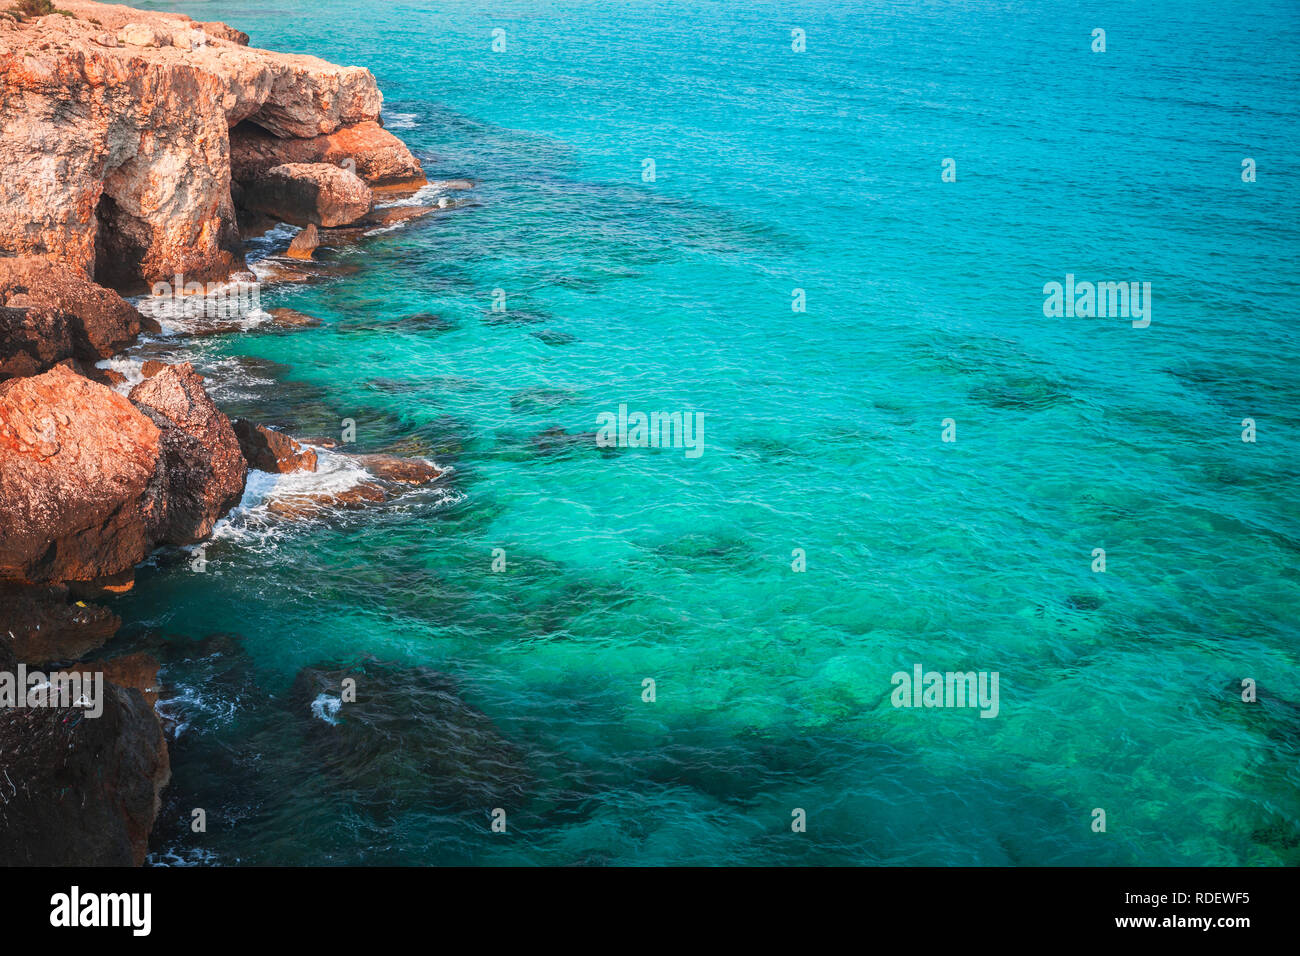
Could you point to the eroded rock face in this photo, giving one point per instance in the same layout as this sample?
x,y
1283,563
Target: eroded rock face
x,y
373,153
49,312
79,490
309,194
201,464
114,136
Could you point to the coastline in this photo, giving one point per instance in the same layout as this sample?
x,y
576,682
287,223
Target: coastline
x,y
156,171
826,539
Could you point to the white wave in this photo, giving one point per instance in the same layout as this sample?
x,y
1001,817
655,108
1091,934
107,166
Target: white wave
x,y
380,230
434,193
276,239
252,525
192,856
400,120
131,368
326,708
236,303
187,704
228,379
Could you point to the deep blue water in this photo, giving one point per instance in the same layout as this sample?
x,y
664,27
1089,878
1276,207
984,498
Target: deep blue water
x,y
775,170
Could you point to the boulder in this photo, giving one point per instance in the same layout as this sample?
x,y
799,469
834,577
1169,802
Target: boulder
x,y
305,243
80,491
309,194
203,469
50,312
81,791
269,450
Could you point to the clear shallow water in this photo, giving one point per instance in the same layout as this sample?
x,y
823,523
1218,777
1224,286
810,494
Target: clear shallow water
x,y
775,170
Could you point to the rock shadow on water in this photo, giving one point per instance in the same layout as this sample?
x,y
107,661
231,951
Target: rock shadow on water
x,y
417,322
554,337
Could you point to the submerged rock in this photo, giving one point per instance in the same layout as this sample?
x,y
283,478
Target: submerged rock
x,y
554,337
541,399
557,441
408,740
274,271
292,319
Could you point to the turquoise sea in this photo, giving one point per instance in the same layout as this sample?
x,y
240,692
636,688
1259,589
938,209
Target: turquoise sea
x,y
775,170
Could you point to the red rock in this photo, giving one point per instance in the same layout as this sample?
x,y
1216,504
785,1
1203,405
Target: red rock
x,y
116,160
276,271
269,450
318,505
408,471
292,318
305,243
221,31
152,367
367,149
309,193
78,489
51,312
104,376
139,671
202,465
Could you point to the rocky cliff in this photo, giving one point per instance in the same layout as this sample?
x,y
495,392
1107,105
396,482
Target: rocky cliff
x,y
115,138
118,131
